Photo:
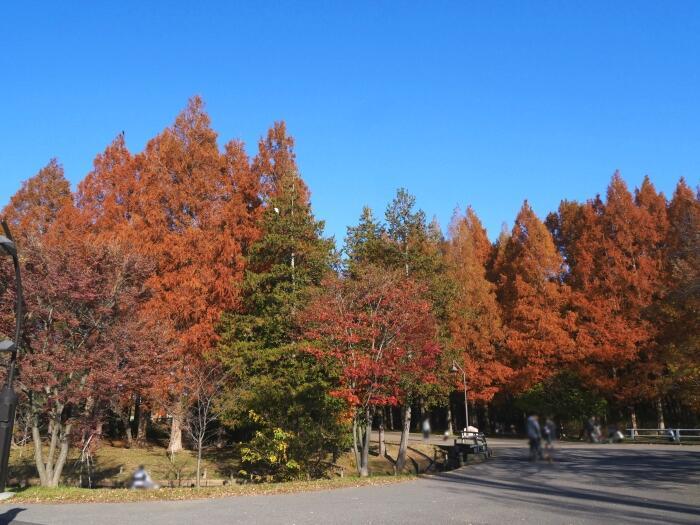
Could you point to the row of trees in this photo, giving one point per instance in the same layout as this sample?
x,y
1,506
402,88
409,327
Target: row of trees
x,y
188,280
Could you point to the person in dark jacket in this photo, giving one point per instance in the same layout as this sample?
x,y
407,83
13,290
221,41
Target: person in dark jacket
x,y
534,436
549,432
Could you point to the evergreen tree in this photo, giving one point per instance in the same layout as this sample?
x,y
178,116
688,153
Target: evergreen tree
x,y
270,374
365,243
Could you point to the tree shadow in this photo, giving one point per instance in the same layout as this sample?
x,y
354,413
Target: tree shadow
x,y
8,517
624,482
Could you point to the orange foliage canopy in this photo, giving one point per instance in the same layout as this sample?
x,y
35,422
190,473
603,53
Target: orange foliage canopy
x,y
35,206
614,254
534,302
192,210
474,318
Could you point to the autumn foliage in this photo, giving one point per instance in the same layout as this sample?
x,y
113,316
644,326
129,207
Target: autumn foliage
x,y
379,334
189,256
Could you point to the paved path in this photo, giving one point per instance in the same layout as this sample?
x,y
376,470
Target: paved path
x,y
587,484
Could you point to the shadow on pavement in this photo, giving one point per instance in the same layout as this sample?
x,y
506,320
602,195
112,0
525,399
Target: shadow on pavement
x,y
512,479
8,517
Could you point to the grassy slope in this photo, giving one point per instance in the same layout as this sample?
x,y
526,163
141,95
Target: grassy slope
x,y
113,464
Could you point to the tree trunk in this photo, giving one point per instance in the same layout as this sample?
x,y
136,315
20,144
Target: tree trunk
x,y
403,445
50,457
358,461
391,418
450,427
199,462
50,467
127,425
129,437
175,444
220,442
143,417
660,414
63,454
487,419
633,417
382,444
366,437
38,452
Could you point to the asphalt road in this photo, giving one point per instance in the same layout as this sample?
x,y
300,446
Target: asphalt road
x,y
586,484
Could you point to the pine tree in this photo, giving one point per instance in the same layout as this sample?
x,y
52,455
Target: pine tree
x,y
285,387
366,243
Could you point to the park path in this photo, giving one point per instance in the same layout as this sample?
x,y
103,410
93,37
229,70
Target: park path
x,y
587,484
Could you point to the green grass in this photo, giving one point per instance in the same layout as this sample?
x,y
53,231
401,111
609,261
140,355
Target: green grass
x,y
114,464
78,495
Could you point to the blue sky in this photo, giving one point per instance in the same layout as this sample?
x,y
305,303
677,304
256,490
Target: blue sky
x,y
482,103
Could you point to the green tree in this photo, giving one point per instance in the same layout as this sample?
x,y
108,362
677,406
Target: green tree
x,y
366,243
270,375
563,397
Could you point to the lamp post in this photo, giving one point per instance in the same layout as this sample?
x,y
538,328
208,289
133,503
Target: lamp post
x,y
8,398
456,368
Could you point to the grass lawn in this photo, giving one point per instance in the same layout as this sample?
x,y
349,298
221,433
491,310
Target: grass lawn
x,y
113,465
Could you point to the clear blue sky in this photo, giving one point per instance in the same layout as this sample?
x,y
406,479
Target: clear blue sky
x,y
484,102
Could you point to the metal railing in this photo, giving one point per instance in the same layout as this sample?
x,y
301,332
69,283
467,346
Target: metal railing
x,y
675,435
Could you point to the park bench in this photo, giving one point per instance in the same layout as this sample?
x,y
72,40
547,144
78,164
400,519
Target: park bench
x,y
466,446
473,442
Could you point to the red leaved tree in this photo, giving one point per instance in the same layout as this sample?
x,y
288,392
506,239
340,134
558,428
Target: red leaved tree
x,y
379,336
77,292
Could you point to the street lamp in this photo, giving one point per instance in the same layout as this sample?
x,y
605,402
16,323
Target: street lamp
x,y
456,368
8,398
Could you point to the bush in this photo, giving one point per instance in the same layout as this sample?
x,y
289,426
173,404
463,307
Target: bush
x,y
265,457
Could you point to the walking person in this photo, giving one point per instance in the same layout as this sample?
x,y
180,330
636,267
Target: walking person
x,y
549,432
426,429
534,436
589,429
597,432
